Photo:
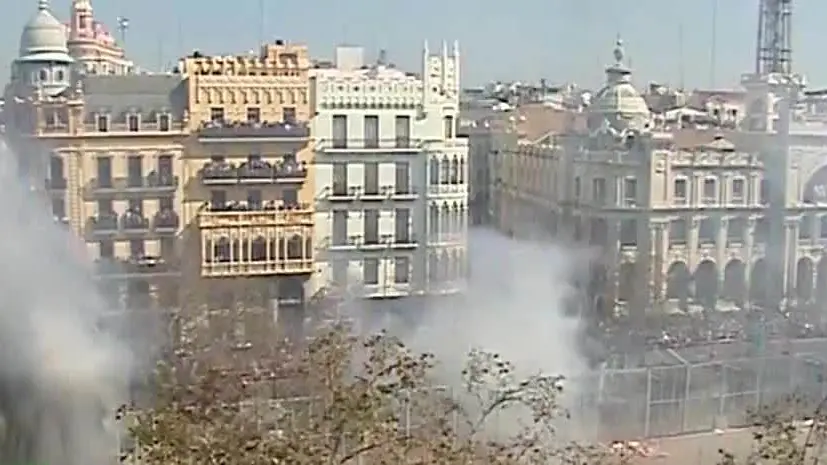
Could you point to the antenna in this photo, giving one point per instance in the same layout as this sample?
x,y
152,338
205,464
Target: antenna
x,y
262,24
713,53
681,59
123,26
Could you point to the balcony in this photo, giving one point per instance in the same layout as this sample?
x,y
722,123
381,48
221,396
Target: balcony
x,y
254,172
245,242
241,215
228,131
155,183
399,145
138,267
130,225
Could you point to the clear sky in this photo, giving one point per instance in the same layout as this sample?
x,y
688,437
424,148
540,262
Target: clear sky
x,y
561,40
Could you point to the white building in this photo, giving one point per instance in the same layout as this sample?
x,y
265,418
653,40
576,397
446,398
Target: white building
x,y
391,177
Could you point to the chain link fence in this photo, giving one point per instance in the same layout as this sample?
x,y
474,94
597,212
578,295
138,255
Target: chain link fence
x,y
624,404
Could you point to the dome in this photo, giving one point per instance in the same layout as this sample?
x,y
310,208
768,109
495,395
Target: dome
x,y
618,102
44,34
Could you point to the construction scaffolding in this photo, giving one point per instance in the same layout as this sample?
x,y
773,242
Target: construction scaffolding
x,y
703,389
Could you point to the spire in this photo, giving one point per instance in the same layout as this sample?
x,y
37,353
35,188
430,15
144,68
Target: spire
x,y
456,48
43,5
444,49
618,71
425,50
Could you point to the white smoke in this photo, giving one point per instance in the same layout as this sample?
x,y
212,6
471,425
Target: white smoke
x,y
61,379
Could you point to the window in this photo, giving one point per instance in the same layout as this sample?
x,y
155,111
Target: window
x,y
44,75
164,122
135,175
56,169
449,127
401,270
738,190
136,206
403,131
402,218
60,75
630,192
710,191
165,173
403,177
372,178
370,274
339,227
59,208
104,169
254,199
577,187
371,131
133,121
106,249
678,232
217,114
136,248
253,115
340,179
288,114
218,199
165,203
339,131
371,226
105,207
765,192
103,123
599,191
290,196
680,191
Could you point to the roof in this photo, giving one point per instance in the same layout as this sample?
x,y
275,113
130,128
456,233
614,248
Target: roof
x,y
534,122
44,34
142,93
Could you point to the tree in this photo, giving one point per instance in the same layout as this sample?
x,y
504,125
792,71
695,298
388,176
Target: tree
x,y
343,399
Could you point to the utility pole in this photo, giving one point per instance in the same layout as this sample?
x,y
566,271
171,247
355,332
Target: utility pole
x,y
123,26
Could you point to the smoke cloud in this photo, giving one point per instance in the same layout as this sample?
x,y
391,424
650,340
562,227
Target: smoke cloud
x,y
61,377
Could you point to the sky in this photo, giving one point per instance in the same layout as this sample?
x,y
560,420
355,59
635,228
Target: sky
x,y
669,41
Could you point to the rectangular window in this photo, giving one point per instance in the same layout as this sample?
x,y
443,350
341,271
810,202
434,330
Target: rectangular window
x,y
136,206
106,249
105,207
164,123
403,177
402,219
599,191
680,193
371,227
103,123
403,131
340,179
134,122
370,274
372,178
253,115
165,203
136,249
710,191
339,227
104,169
371,132
134,169
630,191
218,199
290,196
401,270
448,122
59,208
217,114
738,190
165,171
254,199
288,114
168,247
339,131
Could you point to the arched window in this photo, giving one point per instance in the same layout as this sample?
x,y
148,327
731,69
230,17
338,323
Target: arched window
x,y
434,171
445,170
454,170
43,75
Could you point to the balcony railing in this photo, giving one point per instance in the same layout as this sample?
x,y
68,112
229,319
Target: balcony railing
x,y
287,171
393,145
56,184
134,268
153,183
243,215
214,131
132,224
263,252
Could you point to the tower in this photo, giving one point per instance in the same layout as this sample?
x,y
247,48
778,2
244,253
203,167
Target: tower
x,y
82,22
771,91
43,65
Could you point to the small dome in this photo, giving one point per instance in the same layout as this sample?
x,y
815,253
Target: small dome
x,y
618,101
43,34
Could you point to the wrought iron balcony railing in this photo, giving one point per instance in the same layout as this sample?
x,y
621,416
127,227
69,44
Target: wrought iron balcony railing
x,y
253,172
248,130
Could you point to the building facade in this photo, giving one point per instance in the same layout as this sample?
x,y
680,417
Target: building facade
x,y
105,152
681,220
92,45
391,177
248,186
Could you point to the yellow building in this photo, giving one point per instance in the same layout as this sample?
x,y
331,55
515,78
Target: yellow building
x,y
248,196
192,185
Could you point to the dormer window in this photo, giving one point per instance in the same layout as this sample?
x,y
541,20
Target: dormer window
x,y
103,123
134,122
43,76
164,121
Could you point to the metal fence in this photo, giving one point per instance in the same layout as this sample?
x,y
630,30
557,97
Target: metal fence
x,y
691,397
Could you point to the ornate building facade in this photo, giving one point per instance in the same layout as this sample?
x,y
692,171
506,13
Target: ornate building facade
x,y
681,220
391,177
92,44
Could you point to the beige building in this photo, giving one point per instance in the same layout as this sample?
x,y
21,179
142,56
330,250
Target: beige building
x,y
681,218
189,185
